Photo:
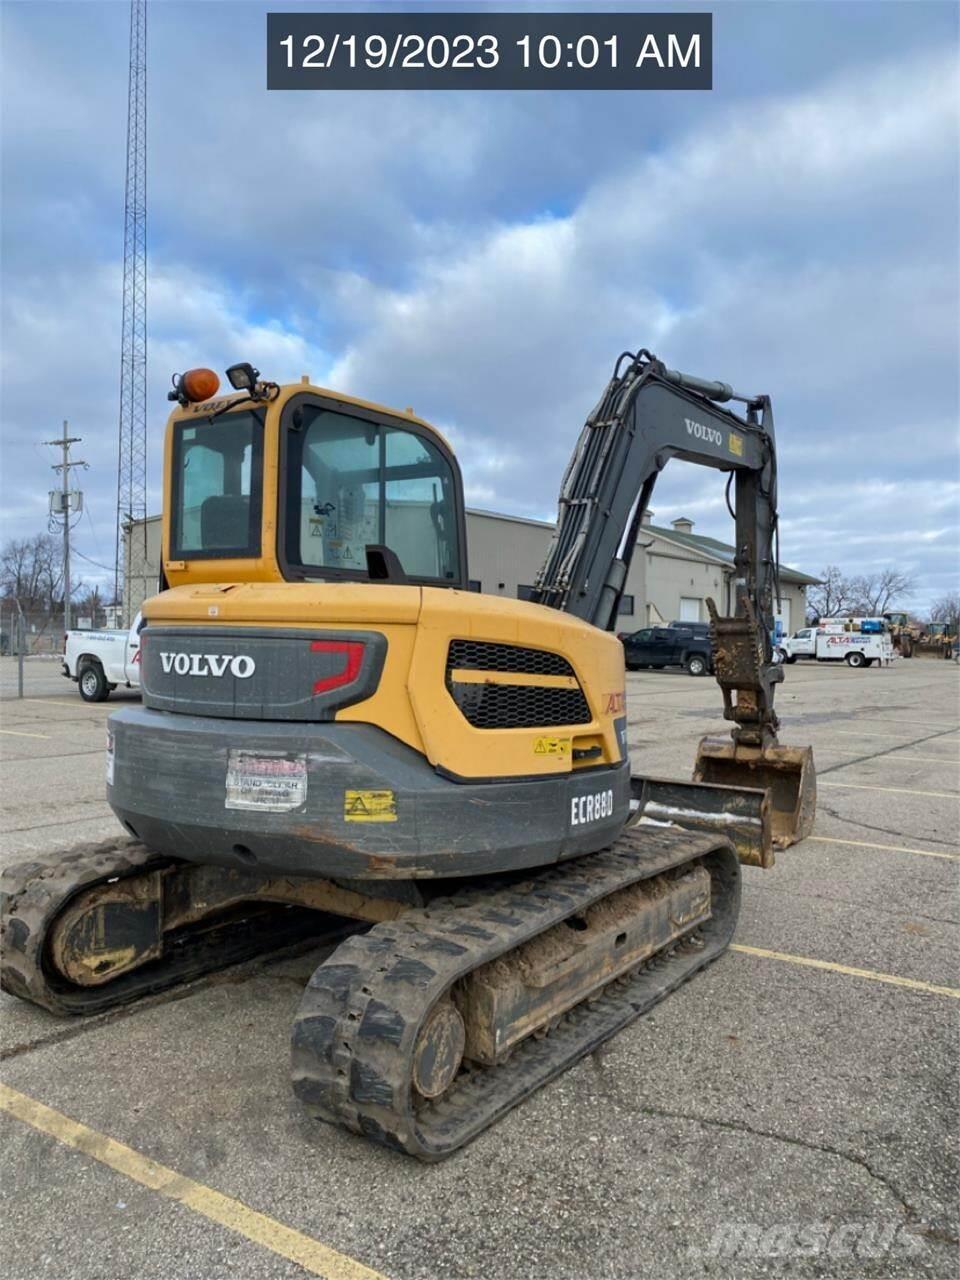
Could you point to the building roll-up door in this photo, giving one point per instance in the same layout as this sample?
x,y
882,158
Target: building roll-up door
x,y
783,617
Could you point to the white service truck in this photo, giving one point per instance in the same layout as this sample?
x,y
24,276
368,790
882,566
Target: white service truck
x,y
839,643
101,660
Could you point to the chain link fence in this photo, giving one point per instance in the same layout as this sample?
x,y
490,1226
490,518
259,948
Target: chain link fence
x,y
32,632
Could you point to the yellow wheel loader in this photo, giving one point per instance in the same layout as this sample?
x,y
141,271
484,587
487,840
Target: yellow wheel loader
x,y
339,741
902,633
922,640
937,640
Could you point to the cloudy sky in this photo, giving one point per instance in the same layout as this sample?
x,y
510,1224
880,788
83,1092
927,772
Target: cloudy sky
x,y
484,257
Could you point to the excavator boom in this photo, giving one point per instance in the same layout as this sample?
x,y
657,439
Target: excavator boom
x,y
647,415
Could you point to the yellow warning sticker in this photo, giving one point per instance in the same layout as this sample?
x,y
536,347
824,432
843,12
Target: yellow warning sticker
x,y
551,747
735,444
369,806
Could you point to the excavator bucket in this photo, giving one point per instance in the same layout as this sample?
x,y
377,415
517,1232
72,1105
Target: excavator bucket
x,y
787,773
753,757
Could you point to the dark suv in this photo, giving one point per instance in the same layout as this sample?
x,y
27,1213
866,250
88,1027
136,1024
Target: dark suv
x,y
679,645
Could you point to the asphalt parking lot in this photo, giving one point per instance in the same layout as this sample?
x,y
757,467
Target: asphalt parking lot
x,y
791,1111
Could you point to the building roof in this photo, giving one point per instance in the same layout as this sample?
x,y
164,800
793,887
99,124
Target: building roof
x,y
506,515
722,552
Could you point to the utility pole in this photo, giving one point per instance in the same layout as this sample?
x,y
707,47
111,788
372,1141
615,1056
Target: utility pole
x,y
62,502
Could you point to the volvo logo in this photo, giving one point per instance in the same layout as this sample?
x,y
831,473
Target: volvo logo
x,y
703,433
208,664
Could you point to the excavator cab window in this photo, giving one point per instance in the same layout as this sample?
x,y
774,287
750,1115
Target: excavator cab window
x,y
217,469
352,483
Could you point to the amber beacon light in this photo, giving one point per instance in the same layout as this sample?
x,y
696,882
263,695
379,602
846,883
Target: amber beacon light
x,y
194,386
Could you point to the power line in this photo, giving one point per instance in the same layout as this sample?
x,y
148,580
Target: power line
x,y
108,567
94,535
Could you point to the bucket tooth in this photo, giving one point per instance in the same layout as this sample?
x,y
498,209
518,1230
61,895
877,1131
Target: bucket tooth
x,y
788,774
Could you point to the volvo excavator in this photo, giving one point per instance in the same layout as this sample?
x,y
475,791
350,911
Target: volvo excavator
x,y
338,741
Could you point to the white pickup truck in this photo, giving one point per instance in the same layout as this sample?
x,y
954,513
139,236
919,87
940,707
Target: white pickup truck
x,y
836,644
101,660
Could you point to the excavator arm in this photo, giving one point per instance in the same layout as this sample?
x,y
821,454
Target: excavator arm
x,y
647,415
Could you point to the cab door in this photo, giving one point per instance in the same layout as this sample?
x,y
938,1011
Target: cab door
x,y
804,643
637,648
664,646
131,662
676,644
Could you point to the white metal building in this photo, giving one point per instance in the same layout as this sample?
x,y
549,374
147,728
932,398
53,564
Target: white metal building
x,y
684,567
673,572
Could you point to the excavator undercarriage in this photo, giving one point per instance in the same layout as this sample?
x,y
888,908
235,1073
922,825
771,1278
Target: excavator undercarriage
x,y
423,1029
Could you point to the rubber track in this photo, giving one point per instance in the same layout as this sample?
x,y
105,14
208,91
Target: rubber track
x,y
358,1021
32,895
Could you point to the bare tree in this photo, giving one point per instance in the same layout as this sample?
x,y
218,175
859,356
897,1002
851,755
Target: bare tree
x,y
32,570
89,604
946,608
831,596
868,594
873,593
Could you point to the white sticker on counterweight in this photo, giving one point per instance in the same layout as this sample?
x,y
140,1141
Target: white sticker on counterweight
x,y
269,783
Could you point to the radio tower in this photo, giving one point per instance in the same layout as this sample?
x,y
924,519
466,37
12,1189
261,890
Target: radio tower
x,y
132,463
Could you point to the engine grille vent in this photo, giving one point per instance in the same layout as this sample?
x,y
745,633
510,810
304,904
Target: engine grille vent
x,y
515,705
478,655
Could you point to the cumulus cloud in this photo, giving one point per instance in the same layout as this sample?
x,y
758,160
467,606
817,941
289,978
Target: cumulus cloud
x,y
723,254
485,257
66,337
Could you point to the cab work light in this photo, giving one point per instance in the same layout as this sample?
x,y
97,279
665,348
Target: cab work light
x,y
352,651
243,377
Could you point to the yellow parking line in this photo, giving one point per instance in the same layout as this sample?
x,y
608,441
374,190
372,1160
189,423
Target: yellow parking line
x,y
849,733
872,974
926,759
946,725
892,756
79,705
319,1259
889,848
17,733
899,791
